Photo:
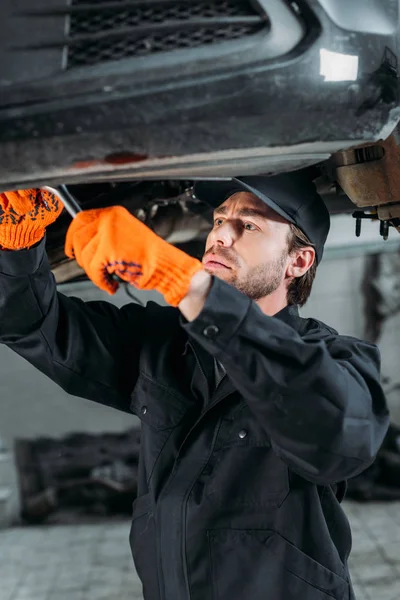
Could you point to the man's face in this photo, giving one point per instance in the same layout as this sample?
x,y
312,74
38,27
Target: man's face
x,y
248,246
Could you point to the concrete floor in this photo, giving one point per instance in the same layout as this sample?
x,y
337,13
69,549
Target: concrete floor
x,y
92,562
375,559
79,562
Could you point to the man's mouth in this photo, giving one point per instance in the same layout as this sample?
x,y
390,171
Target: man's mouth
x,y
213,262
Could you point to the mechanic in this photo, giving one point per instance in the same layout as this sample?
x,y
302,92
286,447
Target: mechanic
x,y
252,417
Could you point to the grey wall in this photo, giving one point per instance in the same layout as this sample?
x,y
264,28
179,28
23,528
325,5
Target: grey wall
x,y
336,298
31,405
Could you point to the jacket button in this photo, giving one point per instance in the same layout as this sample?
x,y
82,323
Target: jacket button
x,y
242,434
211,331
143,410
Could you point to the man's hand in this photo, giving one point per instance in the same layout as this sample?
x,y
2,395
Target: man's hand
x,y
24,216
192,304
111,241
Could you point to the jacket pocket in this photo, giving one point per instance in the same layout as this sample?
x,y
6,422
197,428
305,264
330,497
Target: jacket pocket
x,y
143,546
248,477
156,406
261,564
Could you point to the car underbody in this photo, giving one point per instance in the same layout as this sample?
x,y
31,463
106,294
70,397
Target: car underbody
x,y
131,101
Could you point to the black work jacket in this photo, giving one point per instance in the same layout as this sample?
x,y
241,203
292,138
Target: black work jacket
x,y
239,484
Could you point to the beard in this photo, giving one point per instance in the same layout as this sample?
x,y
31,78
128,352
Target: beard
x,y
260,281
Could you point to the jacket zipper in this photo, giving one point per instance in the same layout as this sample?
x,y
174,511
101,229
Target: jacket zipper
x,y
199,418
184,510
209,407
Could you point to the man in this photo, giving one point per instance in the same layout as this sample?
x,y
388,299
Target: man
x,y
252,417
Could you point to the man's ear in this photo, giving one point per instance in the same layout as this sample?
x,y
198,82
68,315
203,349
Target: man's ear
x,y
300,262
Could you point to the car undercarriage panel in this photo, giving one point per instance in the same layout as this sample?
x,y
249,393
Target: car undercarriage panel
x,y
122,89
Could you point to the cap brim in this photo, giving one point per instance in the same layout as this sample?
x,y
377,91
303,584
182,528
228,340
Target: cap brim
x,y
215,193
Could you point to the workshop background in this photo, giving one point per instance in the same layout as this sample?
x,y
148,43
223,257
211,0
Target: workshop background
x,y
357,291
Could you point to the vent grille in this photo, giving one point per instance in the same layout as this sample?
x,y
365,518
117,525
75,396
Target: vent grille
x,y
106,30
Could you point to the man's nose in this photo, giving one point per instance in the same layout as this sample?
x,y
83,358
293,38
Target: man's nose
x,y
224,235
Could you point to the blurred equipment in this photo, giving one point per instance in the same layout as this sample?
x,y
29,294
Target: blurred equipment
x,y
80,478
381,288
381,481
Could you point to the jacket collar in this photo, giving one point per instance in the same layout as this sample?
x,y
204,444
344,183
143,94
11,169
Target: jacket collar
x,y
289,315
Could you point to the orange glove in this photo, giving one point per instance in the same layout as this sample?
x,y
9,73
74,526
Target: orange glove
x,y
109,241
24,216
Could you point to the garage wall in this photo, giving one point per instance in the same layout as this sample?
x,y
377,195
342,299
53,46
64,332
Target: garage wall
x,y
31,405
336,298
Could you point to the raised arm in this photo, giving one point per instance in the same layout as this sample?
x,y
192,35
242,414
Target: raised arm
x,y
317,395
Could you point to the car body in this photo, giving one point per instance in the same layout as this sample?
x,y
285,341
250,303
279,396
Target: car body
x,y
130,101
92,90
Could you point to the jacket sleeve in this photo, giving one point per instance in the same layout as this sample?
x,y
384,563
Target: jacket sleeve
x,y
90,349
319,400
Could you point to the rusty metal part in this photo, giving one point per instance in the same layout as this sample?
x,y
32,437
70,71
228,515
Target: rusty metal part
x,y
387,212
176,225
66,271
370,176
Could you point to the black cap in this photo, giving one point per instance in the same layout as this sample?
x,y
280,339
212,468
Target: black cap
x,y
291,195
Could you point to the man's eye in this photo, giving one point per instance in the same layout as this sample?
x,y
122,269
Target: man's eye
x,y
218,222
250,226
